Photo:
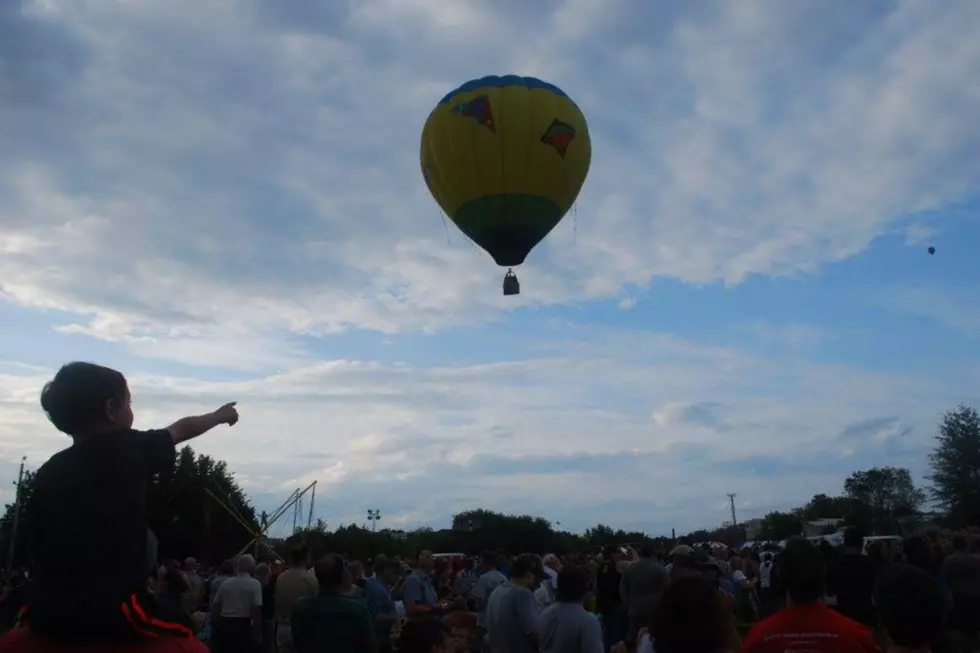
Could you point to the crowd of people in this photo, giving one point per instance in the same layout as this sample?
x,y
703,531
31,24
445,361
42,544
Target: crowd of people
x,y
922,594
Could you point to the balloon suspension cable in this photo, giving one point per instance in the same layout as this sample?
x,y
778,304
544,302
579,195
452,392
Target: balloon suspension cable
x,y
575,224
445,226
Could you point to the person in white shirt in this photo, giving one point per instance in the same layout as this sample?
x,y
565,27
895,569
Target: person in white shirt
x,y
545,593
768,602
237,610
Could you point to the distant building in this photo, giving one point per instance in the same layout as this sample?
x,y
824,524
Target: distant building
x,y
818,527
753,529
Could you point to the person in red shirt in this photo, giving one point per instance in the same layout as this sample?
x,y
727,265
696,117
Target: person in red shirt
x,y
806,623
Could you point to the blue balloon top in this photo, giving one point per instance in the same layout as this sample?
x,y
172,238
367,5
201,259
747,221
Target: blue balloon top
x,y
494,81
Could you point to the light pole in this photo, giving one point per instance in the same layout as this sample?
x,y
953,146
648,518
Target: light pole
x,y
373,517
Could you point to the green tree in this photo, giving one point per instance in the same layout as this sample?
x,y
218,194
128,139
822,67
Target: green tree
x,y
200,510
22,546
887,492
955,464
852,511
599,535
476,530
781,525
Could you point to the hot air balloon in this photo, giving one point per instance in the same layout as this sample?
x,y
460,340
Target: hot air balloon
x,y
505,158
931,250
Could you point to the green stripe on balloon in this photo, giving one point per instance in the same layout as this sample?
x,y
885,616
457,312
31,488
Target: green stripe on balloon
x,y
508,226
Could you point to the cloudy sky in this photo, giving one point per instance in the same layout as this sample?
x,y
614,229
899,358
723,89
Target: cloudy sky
x,y
223,199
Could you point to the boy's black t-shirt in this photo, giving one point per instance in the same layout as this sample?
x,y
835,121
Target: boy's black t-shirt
x,y
89,523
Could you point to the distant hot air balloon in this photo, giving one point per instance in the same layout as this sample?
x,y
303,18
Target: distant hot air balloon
x,y
931,250
505,158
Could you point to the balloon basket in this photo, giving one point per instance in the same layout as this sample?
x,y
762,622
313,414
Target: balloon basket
x,y
511,285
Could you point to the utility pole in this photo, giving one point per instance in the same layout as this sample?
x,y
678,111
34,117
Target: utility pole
x,y
731,499
13,528
373,517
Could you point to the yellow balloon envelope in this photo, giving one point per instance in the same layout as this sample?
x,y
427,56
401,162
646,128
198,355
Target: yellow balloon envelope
x,y
505,158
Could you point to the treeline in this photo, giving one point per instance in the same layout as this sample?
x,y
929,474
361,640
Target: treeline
x,y
878,500
200,510
472,532
881,499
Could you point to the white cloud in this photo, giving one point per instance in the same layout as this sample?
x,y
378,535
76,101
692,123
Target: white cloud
x,y
534,434
917,233
259,172
215,183
788,335
954,309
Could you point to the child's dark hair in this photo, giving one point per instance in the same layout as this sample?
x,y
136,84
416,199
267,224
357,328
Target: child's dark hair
x,y
75,399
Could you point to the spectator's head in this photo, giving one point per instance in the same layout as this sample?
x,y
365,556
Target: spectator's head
x,y
263,573
440,567
573,584
526,570
190,565
425,561
681,550
172,582
388,571
876,551
85,399
356,569
689,618
611,554
918,553
646,550
801,570
329,571
960,544
227,568
245,565
488,560
910,605
298,555
423,636
552,562
853,538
